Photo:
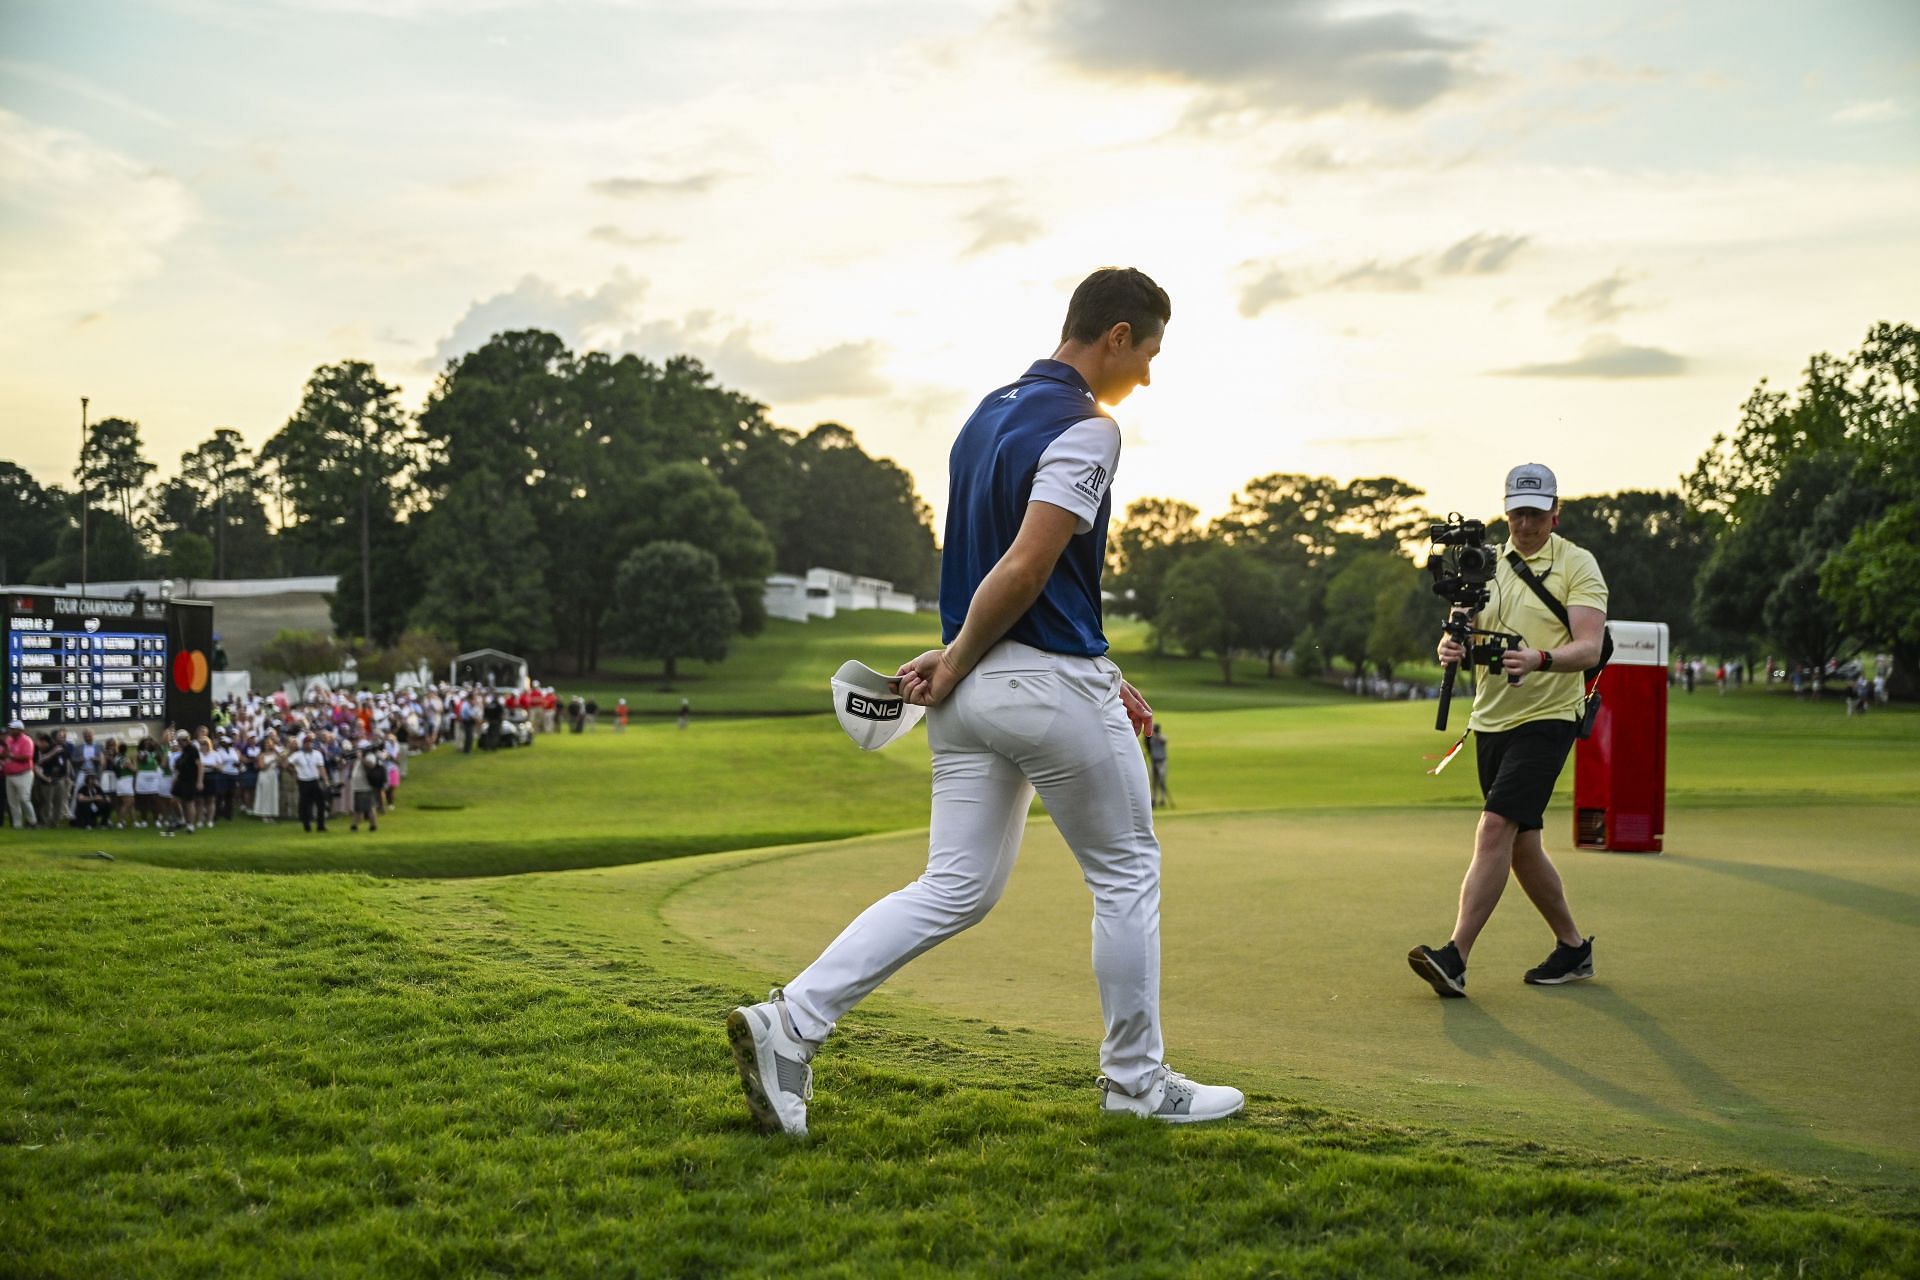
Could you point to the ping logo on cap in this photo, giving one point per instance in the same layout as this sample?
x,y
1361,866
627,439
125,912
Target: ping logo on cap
x,y
1526,482
869,706
874,708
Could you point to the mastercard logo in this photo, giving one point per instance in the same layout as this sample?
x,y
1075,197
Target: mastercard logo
x,y
190,671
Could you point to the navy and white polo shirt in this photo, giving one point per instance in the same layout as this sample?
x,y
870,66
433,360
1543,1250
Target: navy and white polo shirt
x,y
1046,438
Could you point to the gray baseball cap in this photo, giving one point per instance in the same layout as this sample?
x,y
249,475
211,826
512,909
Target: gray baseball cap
x,y
1531,485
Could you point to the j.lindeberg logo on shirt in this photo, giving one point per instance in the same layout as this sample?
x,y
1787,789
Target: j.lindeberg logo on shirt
x,y
1094,483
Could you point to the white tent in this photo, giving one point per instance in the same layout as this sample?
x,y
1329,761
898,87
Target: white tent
x,y
493,667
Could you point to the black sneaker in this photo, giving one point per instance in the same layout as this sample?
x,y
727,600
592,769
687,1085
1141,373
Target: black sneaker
x,y
1566,964
1443,968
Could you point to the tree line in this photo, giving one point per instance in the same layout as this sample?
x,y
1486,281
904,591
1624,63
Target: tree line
x,y
533,503
554,503
1796,534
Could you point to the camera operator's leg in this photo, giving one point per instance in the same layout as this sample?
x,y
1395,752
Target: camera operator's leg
x,y
1486,879
1541,879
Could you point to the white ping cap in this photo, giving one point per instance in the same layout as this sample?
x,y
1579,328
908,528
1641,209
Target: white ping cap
x,y
870,707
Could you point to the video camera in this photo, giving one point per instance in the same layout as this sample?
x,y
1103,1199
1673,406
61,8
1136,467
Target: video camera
x,y
1462,572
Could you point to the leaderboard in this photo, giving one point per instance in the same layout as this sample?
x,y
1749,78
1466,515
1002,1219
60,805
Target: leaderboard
x,y
71,660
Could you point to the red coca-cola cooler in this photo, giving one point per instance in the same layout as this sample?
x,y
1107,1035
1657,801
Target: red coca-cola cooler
x,y
1620,772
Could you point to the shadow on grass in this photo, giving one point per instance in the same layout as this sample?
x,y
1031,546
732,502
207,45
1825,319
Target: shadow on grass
x,y
452,860
1747,1125
1891,905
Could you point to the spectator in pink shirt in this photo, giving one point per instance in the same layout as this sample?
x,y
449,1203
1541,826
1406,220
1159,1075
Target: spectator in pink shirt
x,y
16,763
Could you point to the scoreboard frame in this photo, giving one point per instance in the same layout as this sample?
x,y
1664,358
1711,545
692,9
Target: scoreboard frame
x,y
73,661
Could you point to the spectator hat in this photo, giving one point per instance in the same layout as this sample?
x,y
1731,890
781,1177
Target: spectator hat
x,y
870,707
1531,485
16,723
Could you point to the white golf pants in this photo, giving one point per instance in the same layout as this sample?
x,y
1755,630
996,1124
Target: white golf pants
x,y
1024,720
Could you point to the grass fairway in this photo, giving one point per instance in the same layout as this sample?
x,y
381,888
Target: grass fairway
x,y
1744,1011
405,1061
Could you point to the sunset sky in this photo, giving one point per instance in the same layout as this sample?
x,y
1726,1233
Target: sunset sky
x,y
1427,240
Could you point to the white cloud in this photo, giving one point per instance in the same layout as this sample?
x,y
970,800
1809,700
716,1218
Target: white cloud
x,y
997,224
1270,289
609,318
620,237
1605,356
83,222
1598,303
1285,56
1869,112
594,320
630,188
1479,254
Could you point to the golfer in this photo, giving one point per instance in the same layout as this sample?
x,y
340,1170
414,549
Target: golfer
x,y
1523,731
1021,698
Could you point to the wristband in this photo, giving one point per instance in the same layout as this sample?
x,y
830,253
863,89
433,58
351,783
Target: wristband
x,y
1546,660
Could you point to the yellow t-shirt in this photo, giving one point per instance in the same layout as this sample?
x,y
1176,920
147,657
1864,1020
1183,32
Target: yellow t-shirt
x,y
1572,576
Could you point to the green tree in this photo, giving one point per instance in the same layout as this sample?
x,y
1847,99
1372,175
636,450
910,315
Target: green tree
x,y
1799,480
1155,535
114,551
855,513
341,459
671,601
1871,581
35,518
189,555
1309,655
113,466
483,569
1650,547
580,438
416,648
685,502
1223,601
1288,519
219,495
1873,584
397,576
1406,617
1366,584
298,654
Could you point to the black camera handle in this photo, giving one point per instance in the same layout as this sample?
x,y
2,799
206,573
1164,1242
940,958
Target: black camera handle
x,y
1464,631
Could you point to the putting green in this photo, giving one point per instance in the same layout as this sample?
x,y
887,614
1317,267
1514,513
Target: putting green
x,y
1751,1006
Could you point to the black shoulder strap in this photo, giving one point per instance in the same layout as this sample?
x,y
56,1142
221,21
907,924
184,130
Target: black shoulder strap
x,y
1540,589
1559,610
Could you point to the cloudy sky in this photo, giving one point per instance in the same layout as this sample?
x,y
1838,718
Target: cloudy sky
x,y
1428,240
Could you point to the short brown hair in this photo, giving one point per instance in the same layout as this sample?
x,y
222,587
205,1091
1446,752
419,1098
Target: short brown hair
x,y
1116,295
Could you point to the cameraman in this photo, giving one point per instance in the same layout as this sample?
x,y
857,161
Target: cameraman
x,y
1523,732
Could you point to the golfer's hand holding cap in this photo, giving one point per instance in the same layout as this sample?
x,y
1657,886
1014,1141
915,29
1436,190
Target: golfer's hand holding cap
x,y
870,706
927,679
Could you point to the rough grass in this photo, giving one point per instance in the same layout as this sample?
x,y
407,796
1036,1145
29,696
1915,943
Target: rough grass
x,y
215,1073
236,1075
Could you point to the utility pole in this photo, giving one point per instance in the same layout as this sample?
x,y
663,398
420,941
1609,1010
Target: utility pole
x,y
83,494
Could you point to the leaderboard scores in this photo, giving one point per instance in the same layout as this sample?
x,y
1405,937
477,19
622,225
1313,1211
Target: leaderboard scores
x,y
74,662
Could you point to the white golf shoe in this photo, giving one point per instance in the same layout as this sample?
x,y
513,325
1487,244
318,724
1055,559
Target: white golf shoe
x,y
1174,1099
773,1062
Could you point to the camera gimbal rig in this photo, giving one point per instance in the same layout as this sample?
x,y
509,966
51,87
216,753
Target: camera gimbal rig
x,y
1461,574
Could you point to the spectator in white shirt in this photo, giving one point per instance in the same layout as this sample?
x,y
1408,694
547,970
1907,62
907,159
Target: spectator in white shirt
x,y
310,772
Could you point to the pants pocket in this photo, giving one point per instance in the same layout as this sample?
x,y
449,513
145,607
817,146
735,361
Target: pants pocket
x,y
1018,705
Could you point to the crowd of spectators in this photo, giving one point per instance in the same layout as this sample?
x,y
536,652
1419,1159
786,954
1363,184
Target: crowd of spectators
x,y
338,754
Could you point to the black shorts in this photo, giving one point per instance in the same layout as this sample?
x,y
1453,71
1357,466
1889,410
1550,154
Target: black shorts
x,y
1519,767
